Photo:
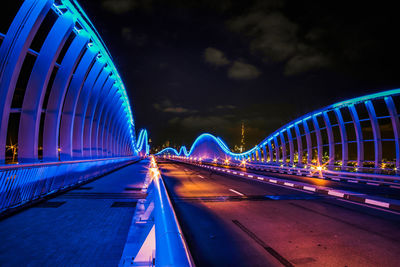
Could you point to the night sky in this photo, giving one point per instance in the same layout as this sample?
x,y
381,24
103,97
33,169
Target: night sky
x,y
205,66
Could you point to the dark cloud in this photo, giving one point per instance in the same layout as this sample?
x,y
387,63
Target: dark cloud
x,y
167,107
215,57
124,6
225,107
278,39
119,6
127,34
270,59
243,71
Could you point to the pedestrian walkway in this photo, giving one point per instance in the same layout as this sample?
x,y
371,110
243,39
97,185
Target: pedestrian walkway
x,y
87,226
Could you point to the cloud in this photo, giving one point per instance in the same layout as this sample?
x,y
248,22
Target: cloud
x,y
205,123
215,57
126,33
176,110
278,39
243,71
302,63
167,107
225,107
123,6
118,6
271,34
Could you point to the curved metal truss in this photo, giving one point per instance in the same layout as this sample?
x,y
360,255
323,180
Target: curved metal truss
x,y
358,135
71,103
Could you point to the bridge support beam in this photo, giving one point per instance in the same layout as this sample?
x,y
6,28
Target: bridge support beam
x,y
376,133
299,143
12,54
396,127
343,136
331,141
77,140
309,143
28,132
57,96
103,83
359,137
71,100
319,140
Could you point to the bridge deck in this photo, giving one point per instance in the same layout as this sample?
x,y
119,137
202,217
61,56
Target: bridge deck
x,y
229,221
87,226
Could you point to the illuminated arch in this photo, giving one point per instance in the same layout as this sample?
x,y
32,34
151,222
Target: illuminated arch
x,y
75,103
339,136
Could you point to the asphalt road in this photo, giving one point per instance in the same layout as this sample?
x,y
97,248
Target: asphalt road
x,y
379,191
230,221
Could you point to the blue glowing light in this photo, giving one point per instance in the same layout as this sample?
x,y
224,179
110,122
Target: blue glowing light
x,y
221,145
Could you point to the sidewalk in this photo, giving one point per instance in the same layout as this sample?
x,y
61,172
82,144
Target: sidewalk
x,y
87,226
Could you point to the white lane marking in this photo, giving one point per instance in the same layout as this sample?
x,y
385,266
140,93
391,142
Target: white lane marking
x,y
309,188
373,184
250,176
335,179
260,178
352,181
335,193
395,186
368,206
242,174
236,192
377,203
200,176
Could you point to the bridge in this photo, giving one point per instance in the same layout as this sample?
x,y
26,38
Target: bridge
x,y
78,186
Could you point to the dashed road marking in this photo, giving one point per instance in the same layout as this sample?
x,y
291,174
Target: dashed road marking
x,y
236,192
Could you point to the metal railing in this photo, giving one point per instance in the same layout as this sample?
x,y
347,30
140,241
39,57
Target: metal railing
x,y
23,183
171,248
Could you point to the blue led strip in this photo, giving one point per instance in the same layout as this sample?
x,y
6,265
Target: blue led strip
x,y
303,121
83,23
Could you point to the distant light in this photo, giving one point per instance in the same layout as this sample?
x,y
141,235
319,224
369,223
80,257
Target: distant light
x,y
319,168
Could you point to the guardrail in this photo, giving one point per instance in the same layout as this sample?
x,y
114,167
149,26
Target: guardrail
x,y
23,183
171,248
369,178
